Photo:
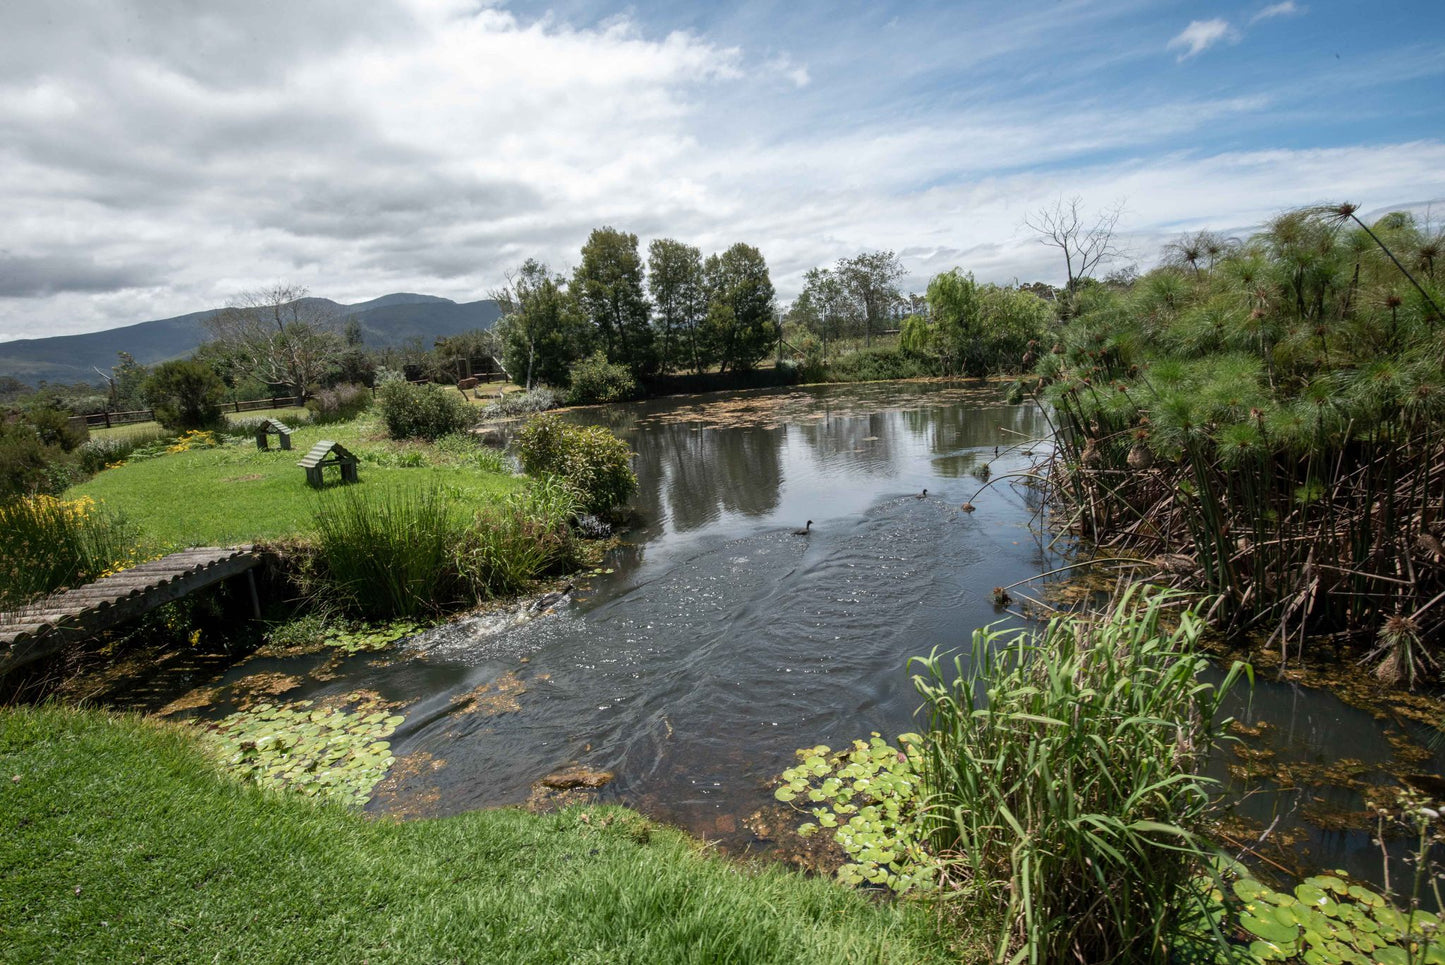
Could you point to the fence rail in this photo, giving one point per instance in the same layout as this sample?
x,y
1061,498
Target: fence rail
x,y
98,420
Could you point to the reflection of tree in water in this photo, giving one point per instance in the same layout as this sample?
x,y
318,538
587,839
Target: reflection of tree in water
x,y
866,443
695,475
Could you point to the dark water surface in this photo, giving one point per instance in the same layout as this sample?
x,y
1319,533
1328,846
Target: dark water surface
x,y
721,642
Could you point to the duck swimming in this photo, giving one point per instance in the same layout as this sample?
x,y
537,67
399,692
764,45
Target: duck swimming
x,y
804,530
922,495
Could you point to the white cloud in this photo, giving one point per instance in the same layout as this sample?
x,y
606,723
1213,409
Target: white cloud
x,y
1200,35
1286,9
434,146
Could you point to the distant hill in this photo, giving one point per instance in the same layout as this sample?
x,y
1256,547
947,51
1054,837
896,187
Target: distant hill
x,y
386,321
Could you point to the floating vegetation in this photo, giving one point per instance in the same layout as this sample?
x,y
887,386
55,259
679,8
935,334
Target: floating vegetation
x,y
491,698
322,751
867,799
1325,920
313,633
770,409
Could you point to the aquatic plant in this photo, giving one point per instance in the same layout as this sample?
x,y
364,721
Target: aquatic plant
x,y
388,554
319,751
1324,920
1275,418
867,797
1062,780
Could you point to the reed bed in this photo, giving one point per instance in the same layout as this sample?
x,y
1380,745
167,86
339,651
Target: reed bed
x,y
1062,773
1268,429
384,555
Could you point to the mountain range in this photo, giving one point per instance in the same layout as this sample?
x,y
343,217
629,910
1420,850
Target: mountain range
x,y
389,320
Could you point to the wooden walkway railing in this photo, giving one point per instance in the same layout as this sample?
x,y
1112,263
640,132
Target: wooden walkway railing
x,y
43,627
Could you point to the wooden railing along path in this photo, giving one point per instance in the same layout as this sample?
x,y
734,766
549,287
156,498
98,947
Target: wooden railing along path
x,y
43,627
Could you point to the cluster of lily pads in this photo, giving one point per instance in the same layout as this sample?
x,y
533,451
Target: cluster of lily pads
x,y
319,751
364,638
1325,920
867,798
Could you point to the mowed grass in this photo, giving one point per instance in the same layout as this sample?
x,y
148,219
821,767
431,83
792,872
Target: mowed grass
x,y
237,494
122,842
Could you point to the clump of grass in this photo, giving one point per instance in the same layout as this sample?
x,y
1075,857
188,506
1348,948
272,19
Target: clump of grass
x,y
1062,774
388,554
50,543
526,536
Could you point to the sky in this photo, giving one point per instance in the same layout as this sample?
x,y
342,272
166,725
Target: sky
x,y
159,157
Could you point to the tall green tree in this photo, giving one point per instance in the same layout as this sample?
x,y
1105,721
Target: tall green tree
x,y
827,308
675,280
871,279
542,329
609,287
741,321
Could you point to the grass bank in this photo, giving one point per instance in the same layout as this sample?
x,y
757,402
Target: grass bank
x,y
234,493
123,842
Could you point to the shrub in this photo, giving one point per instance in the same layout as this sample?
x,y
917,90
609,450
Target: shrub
x,y
879,364
185,395
50,543
522,403
423,411
105,451
24,459
594,463
596,380
52,423
340,404
1068,807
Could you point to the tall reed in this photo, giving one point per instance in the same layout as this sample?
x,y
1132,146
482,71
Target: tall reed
x,y
389,554
50,543
1062,772
526,536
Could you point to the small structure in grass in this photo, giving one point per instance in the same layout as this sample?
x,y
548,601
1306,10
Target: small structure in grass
x,y
327,453
272,427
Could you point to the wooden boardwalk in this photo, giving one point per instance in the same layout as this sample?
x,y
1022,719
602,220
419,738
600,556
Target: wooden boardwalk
x,y
43,627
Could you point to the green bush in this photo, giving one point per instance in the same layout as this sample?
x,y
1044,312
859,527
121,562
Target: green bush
x,y
879,364
104,451
596,380
1069,806
340,404
185,395
25,459
594,463
53,424
423,411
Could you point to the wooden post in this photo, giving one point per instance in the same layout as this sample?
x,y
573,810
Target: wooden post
x,y
255,597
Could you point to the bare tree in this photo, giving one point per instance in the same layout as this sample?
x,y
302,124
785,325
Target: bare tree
x,y
278,335
1084,244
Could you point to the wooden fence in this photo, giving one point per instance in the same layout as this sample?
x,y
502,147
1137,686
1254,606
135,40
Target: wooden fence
x,y
97,420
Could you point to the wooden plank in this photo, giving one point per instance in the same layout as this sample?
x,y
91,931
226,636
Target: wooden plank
x,y
48,626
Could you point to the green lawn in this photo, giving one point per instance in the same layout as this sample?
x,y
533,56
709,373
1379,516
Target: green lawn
x,y
237,494
121,842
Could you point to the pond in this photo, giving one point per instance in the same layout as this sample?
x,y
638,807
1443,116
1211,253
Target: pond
x,y
717,641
